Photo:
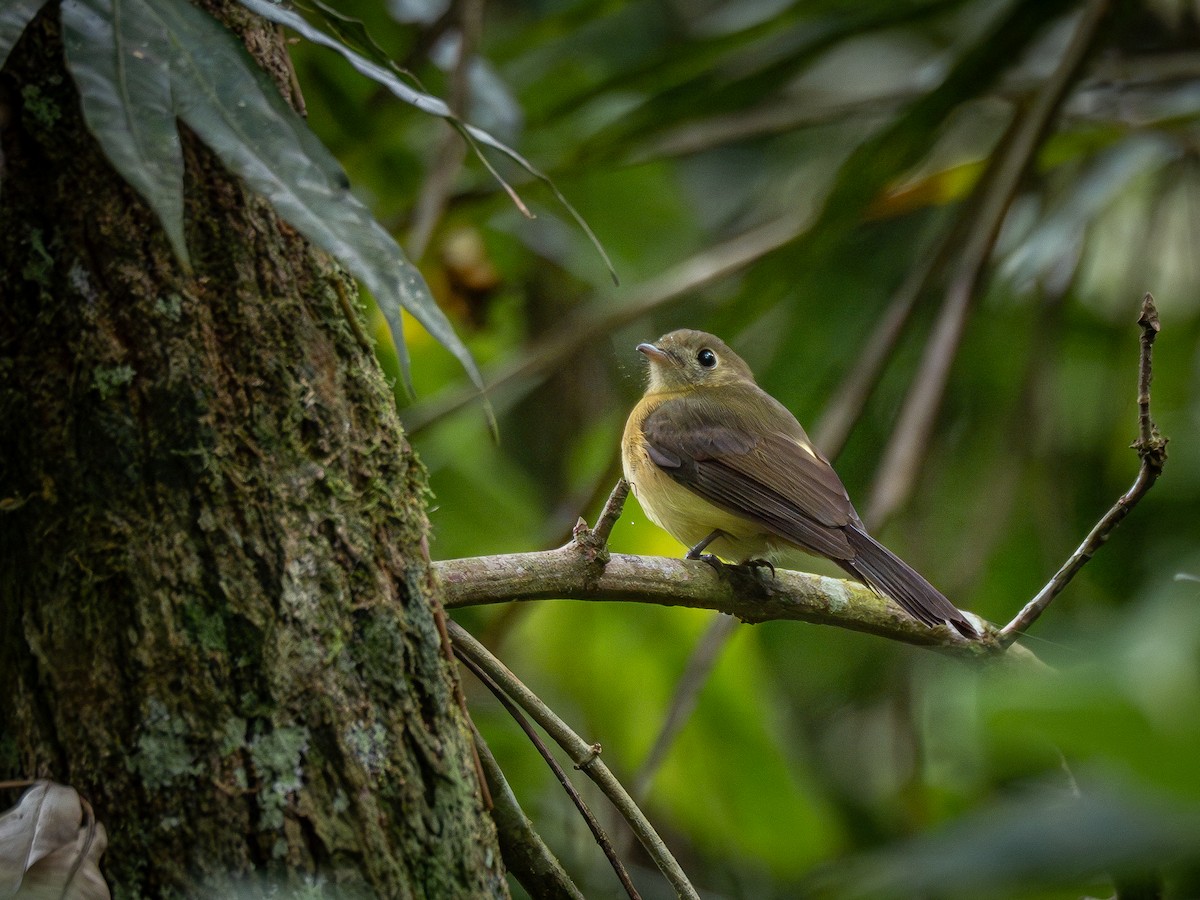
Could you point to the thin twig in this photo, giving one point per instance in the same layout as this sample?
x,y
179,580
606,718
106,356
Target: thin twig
x,y
526,855
585,756
910,438
1151,445
565,517
498,628
611,512
592,823
1151,448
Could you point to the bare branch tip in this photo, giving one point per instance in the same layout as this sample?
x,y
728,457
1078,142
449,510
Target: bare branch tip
x,y
1151,449
591,544
612,510
1149,316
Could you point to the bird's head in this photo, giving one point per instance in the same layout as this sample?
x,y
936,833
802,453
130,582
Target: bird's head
x,y
686,359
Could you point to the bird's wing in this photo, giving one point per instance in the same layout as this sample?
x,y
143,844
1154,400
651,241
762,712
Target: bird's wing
x,y
773,476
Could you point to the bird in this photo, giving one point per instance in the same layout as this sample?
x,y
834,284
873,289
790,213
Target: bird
x,y
720,464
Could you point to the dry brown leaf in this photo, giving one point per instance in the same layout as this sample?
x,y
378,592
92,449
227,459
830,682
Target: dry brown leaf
x,y
48,850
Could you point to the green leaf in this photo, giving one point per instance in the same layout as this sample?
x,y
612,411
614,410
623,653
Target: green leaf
x,y
350,31
425,102
429,104
234,108
118,56
14,16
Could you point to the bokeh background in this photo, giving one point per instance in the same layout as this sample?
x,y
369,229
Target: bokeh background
x,y
791,176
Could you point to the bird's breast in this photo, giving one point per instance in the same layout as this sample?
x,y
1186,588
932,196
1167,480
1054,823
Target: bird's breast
x,y
679,511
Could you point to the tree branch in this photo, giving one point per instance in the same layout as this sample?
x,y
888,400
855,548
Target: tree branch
x,y
583,569
574,572
1151,448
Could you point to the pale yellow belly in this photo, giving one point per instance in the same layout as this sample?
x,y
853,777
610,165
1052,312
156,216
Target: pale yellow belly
x,y
686,516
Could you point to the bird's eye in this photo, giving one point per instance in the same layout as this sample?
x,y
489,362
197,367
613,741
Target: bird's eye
x,y
706,358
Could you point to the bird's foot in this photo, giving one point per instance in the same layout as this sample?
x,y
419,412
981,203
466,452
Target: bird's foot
x,y
697,552
754,565
710,558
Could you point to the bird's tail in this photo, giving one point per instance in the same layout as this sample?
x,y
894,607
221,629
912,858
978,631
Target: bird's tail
x,y
881,569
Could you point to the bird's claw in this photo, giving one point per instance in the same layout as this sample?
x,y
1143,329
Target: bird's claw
x,y
756,564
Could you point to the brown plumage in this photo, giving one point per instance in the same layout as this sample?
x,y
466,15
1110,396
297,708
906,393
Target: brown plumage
x,y
719,463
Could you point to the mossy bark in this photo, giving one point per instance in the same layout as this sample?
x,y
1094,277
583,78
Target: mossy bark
x,y
217,619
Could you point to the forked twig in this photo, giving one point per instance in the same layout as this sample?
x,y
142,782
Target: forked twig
x,y
585,756
1151,448
597,538
526,855
592,823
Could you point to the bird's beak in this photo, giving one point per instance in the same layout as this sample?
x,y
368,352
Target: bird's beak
x,y
654,354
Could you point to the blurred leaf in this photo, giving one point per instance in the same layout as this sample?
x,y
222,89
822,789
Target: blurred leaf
x,y
1049,836
119,56
350,31
425,12
14,16
746,67
1132,704
493,106
890,152
233,107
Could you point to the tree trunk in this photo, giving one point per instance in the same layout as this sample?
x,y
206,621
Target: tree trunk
x,y
217,619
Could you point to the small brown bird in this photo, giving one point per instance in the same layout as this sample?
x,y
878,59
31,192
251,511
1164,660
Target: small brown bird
x,y
719,463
